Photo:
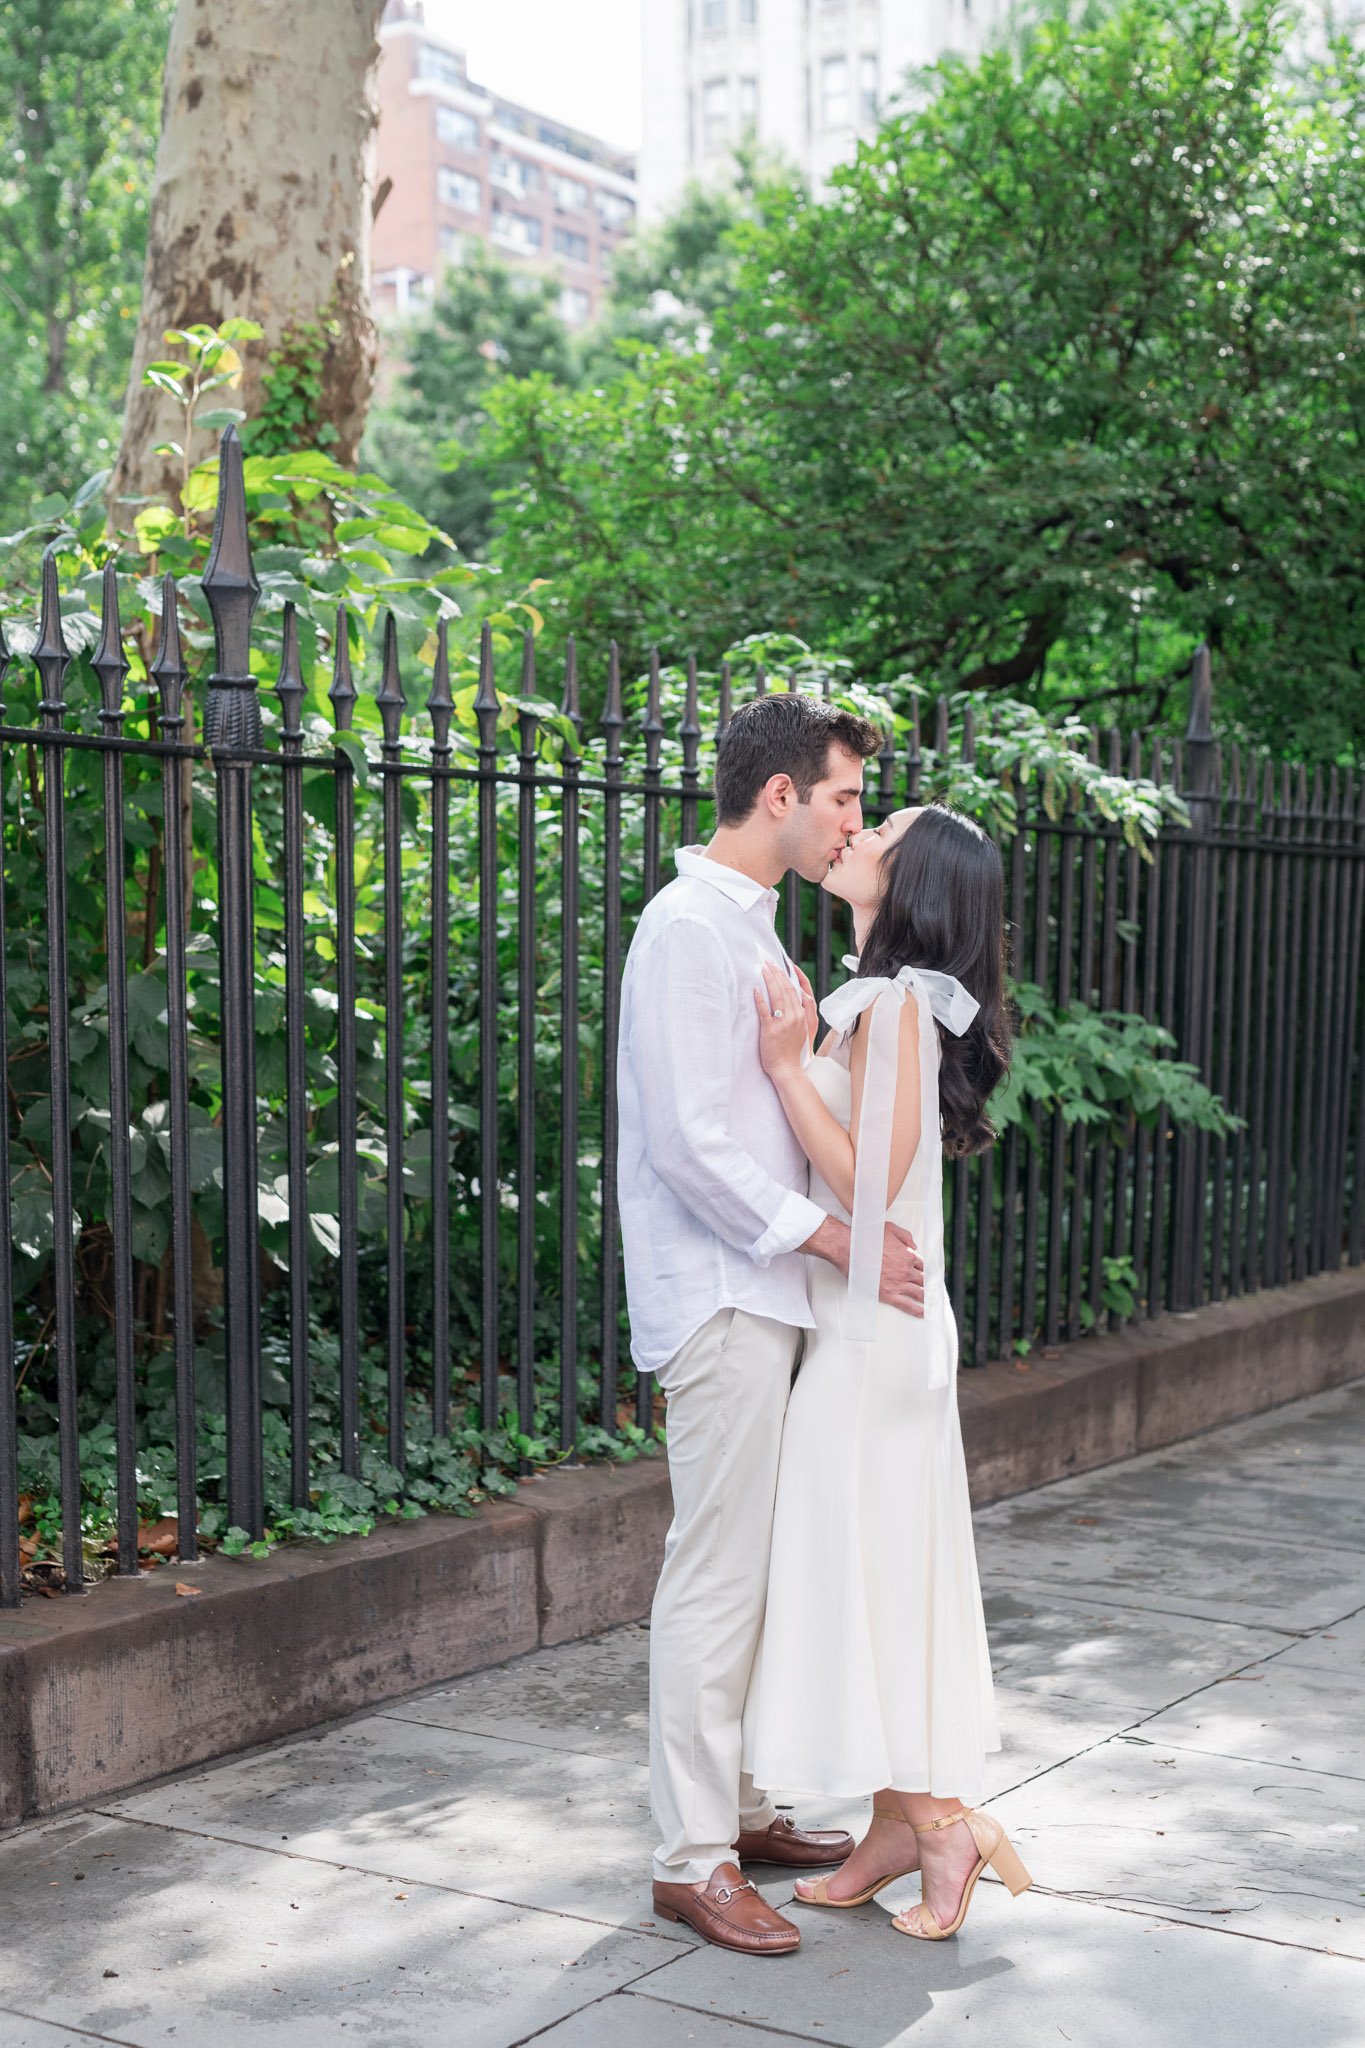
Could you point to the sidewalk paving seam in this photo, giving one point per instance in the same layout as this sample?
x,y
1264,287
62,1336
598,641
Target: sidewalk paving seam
x,y
432,1884
1086,1598
78,2033
1139,1909
524,1741
768,2029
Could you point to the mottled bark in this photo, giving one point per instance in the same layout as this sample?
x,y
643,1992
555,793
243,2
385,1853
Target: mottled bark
x,y
260,206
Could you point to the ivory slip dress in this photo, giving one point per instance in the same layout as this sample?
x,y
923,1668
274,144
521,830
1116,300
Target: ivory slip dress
x,y
872,1668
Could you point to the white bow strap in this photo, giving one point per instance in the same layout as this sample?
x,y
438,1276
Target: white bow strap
x,y
939,996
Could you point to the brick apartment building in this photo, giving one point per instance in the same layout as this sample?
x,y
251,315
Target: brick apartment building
x,y
467,167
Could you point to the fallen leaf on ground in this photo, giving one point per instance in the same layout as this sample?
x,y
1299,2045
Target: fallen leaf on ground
x,y
187,1592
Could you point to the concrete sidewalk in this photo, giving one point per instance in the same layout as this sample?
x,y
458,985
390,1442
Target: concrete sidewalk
x,y
1179,1645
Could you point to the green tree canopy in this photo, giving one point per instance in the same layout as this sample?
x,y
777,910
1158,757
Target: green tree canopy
x,y
1064,375
486,323
79,89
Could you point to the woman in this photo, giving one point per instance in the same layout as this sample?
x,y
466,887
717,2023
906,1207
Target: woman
x,y
873,1565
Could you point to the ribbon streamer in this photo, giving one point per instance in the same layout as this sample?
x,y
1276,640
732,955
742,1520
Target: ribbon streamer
x,y
938,996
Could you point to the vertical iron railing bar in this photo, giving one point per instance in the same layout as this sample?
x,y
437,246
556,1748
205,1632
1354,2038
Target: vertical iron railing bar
x,y
1188,1190
110,665
1348,919
51,660
569,1084
690,734
441,711
653,734
1144,1137
1169,1019
1291,1195
11,1567
613,720
1352,918
1009,1162
985,1171
1309,866
1261,1123
1127,999
1325,1079
1105,986
527,735
232,723
392,704
1033,1177
1060,1134
486,714
168,674
1276,1170
342,695
1356,1037
1077,1235
1224,1024
290,691
726,702
1242,997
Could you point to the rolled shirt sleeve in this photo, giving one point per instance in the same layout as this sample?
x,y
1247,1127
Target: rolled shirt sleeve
x,y
687,997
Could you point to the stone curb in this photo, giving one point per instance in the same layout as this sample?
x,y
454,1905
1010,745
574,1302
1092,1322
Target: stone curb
x,y
132,1680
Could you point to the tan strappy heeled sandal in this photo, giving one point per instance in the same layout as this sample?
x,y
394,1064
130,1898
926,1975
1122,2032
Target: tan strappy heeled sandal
x,y
818,1895
993,1847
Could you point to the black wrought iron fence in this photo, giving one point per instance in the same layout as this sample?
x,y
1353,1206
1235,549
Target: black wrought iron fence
x,y
428,1054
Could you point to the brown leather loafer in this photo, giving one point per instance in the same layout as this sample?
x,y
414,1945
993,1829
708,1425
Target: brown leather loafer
x,y
731,1912
799,1848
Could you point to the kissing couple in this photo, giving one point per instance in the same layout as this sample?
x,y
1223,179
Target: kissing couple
x,y
817,1626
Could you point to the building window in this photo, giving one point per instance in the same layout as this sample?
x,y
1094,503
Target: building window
x,y
612,210
513,173
457,188
445,66
834,92
748,104
713,14
867,86
460,130
570,194
574,305
453,245
748,13
519,231
571,244
715,114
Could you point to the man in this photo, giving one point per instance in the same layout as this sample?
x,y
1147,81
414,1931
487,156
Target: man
x,y
715,1219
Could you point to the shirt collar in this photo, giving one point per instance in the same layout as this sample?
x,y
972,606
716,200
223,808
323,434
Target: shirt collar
x,y
694,862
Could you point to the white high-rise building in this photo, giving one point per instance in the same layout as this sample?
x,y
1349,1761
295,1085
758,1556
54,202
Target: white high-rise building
x,y
805,78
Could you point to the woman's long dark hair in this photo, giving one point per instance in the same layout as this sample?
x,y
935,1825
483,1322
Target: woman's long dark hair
x,y
943,906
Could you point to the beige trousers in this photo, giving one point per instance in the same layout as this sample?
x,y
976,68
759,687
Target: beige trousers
x,y
727,1395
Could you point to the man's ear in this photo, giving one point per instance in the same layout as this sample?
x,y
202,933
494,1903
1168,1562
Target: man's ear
x,y
780,793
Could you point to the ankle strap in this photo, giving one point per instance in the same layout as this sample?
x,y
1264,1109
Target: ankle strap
x,y
926,1827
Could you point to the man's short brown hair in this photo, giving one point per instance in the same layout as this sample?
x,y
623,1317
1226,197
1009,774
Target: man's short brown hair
x,y
783,734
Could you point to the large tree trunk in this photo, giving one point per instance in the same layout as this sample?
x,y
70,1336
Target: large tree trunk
x,y
260,206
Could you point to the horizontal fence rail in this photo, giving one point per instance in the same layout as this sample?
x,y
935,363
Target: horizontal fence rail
x,y
355,1116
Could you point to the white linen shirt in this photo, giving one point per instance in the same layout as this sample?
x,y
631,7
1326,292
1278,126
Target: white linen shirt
x,y
712,1182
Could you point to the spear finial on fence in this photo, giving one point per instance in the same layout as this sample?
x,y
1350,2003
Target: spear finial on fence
x,y
653,727
289,682
941,727
232,716
486,696
726,699
690,730
109,661
342,692
528,663
569,707
886,767
50,657
440,703
1197,753
168,666
612,717
390,699
760,681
